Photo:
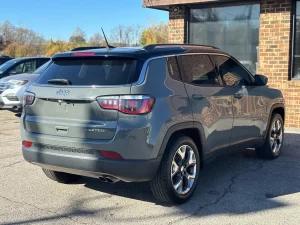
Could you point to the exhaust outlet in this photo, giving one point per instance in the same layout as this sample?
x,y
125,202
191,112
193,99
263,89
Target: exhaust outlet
x,y
111,179
103,179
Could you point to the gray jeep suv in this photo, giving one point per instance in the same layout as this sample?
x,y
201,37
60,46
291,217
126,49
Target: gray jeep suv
x,y
156,113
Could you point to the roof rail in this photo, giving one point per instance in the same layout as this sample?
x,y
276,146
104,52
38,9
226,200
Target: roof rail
x,y
153,46
86,48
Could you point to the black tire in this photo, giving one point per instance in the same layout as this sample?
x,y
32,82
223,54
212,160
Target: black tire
x,y
60,177
265,151
162,186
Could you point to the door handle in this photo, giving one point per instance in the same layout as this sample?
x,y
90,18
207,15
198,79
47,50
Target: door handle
x,y
197,96
238,95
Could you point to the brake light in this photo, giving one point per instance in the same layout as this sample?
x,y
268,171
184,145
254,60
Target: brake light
x,y
129,104
27,144
111,155
28,98
83,54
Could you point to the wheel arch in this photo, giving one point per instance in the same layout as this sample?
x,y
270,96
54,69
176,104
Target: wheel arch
x,y
194,130
276,108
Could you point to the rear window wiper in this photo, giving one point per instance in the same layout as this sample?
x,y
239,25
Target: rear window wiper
x,y
60,81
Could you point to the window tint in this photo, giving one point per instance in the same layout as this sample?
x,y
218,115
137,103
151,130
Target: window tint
x,y
173,68
231,72
42,62
25,67
90,71
42,68
198,70
7,65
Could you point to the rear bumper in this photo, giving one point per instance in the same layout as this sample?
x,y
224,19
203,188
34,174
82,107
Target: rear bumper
x,y
125,170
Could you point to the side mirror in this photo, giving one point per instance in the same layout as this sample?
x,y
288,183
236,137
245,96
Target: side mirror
x,y
13,72
260,80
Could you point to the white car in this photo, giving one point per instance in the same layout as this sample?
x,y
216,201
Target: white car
x,y
12,88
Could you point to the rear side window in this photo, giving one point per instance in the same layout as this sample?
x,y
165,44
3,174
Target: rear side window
x,y
198,70
88,72
173,68
231,72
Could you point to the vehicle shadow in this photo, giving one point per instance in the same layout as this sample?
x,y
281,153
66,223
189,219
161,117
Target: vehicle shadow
x,y
240,181
234,184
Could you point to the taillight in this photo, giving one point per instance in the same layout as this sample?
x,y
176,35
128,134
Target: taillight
x,y
129,104
28,98
27,144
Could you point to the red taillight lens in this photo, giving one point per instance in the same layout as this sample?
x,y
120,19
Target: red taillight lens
x,y
27,144
129,104
111,155
111,102
137,105
83,54
28,98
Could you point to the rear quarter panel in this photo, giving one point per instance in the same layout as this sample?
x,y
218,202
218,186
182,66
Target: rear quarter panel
x,y
171,104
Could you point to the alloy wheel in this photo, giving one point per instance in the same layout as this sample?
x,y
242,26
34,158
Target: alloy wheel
x,y
276,136
183,169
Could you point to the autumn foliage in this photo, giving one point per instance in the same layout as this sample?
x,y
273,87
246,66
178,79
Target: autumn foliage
x,y
19,41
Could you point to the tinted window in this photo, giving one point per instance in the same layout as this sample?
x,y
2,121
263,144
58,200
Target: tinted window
x,y
42,68
198,70
25,67
42,62
90,71
231,72
173,68
7,65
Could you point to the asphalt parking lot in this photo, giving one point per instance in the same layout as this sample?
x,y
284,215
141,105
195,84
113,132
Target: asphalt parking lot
x,y
234,189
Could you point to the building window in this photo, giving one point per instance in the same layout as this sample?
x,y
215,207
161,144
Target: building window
x,y
234,29
296,70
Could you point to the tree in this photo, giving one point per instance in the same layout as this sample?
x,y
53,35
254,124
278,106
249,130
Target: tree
x,y
78,36
155,34
2,42
117,35
123,35
96,40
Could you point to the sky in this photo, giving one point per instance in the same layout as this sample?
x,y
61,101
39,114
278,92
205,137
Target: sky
x,y
57,19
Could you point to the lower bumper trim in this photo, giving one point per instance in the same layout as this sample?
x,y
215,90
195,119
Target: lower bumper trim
x,y
125,170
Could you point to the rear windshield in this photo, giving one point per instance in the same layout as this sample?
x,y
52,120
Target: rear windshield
x,y
88,72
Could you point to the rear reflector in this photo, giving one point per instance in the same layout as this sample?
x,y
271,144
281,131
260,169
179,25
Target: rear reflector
x,y
27,144
110,155
83,54
129,104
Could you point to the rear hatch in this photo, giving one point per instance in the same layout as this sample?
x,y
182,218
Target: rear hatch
x,y
66,96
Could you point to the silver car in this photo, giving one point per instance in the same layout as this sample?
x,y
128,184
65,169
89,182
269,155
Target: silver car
x,y
12,88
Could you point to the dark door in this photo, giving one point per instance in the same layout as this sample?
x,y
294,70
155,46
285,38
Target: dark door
x,y
211,104
248,112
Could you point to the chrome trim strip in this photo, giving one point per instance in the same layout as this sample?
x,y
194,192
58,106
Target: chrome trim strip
x,y
143,73
145,68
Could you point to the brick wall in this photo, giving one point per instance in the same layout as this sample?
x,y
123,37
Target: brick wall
x,y
177,26
274,54
274,51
